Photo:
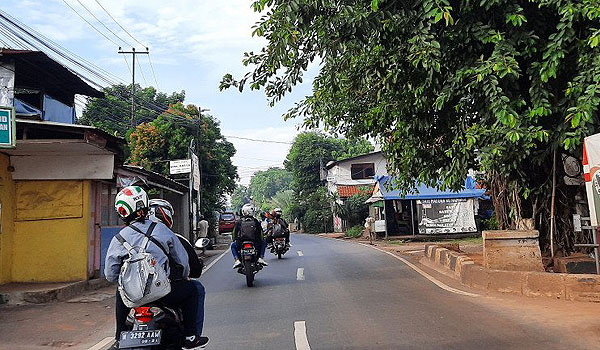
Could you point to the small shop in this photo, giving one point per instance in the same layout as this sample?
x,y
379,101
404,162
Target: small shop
x,y
426,211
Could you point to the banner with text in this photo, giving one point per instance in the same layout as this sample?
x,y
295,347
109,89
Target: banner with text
x,y
441,216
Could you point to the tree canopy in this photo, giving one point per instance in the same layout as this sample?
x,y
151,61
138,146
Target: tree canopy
x,y
444,85
112,113
266,183
152,144
312,150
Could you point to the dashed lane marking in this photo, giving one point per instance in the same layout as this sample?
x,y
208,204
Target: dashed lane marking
x,y
101,344
300,253
425,274
300,336
300,274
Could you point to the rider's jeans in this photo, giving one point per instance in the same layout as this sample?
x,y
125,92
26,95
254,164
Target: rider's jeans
x,y
200,315
234,249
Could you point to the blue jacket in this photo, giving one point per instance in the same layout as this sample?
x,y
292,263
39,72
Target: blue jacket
x,y
117,252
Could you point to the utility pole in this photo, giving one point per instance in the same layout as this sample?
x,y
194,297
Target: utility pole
x,y
133,53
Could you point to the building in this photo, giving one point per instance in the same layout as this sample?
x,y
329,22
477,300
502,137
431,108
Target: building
x,y
58,180
354,175
426,210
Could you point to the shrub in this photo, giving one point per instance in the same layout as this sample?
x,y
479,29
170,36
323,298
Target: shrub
x,y
355,231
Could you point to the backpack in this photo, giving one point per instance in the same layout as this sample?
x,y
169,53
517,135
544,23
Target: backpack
x,y
141,281
248,229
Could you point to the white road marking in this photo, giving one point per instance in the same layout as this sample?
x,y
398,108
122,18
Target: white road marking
x,y
300,336
300,274
101,344
425,274
214,261
300,253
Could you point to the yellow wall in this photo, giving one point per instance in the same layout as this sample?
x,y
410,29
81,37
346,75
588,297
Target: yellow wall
x,y
51,231
7,200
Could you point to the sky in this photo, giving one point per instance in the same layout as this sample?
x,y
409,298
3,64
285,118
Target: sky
x,y
192,43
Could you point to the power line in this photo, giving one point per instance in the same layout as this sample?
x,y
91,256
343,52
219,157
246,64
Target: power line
x,y
154,75
91,25
258,140
142,71
102,23
114,20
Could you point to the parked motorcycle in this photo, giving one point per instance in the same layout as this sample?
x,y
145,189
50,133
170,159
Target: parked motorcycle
x,y
155,326
250,266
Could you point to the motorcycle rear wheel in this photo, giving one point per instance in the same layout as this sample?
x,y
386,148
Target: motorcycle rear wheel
x,y
249,275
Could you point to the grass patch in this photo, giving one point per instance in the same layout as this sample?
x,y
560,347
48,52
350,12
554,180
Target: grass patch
x,y
395,242
355,231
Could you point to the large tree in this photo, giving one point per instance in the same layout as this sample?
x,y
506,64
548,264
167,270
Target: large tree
x,y
266,183
445,85
153,143
313,150
113,112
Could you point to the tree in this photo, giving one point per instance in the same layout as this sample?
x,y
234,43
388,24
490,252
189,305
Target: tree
x,y
265,184
445,85
312,150
112,113
239,197
167,138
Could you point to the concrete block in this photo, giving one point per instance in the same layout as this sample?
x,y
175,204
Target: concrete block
x,y
438,254
506,281
583,287
550,285
475,276
444,257
450,246
577,263
461,262
452,262
512,250
430,251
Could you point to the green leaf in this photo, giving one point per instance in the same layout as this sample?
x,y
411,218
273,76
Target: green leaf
x,y
374,5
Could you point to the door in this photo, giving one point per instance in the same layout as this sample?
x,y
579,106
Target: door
x,y
95,229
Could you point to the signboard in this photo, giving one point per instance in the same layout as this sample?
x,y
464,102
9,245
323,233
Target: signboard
x,y
196,172
181,166
591,165
7,128
450,215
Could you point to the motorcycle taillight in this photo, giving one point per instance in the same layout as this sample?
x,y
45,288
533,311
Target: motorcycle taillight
x,y
143,314
247,246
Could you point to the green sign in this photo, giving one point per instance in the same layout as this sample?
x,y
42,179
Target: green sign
x,y
7,127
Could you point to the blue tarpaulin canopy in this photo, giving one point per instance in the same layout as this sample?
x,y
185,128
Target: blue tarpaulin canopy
x,y
426,192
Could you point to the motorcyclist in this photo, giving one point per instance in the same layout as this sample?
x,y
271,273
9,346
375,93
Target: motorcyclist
x,y
131,204
276,217
162,211
247,228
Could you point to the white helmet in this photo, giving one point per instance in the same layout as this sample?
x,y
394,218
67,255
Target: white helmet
x,y
248,210
130,201
161,210
278,212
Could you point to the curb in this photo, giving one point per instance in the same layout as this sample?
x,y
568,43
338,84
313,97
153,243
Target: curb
x,y
60,293
575,287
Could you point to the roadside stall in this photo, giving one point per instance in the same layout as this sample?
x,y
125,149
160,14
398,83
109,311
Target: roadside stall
x,y
426,210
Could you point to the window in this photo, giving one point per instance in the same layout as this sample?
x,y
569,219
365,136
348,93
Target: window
x,y
362,171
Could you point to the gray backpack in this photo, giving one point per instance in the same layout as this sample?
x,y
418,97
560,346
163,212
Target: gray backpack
x,y
141,280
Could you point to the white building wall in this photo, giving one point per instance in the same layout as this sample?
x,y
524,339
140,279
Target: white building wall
x,y
341,174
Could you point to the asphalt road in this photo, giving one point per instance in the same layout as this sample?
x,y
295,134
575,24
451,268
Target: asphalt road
x,y
353,297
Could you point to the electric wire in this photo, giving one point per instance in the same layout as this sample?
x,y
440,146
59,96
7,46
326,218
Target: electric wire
x,y
114,20
153,74
91,25
102,23
142,71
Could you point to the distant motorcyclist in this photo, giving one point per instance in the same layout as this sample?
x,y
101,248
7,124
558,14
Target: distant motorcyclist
x,y
276,217
248,228
131,204
162,211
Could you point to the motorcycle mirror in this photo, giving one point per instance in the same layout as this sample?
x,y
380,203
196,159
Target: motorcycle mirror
x,y
202,243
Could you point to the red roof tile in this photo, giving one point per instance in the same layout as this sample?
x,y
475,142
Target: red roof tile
x,y
350,190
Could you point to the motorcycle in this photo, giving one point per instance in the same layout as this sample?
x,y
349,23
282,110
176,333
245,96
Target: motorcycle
x,y
155,326
278,247
250,265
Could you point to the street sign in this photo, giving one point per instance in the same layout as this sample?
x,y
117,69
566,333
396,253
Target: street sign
x,y
181,166
7,128
196,172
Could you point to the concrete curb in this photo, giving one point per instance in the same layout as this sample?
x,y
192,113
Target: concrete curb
x,y
580,287
59,293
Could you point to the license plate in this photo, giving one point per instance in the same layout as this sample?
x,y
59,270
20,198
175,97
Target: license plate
x,y
134,339
249,251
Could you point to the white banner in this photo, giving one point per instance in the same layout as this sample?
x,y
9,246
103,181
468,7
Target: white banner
x,y
591,165
181,166
441,216
196,172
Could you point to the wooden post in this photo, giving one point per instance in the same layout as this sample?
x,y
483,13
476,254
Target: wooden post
x,y
552,220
